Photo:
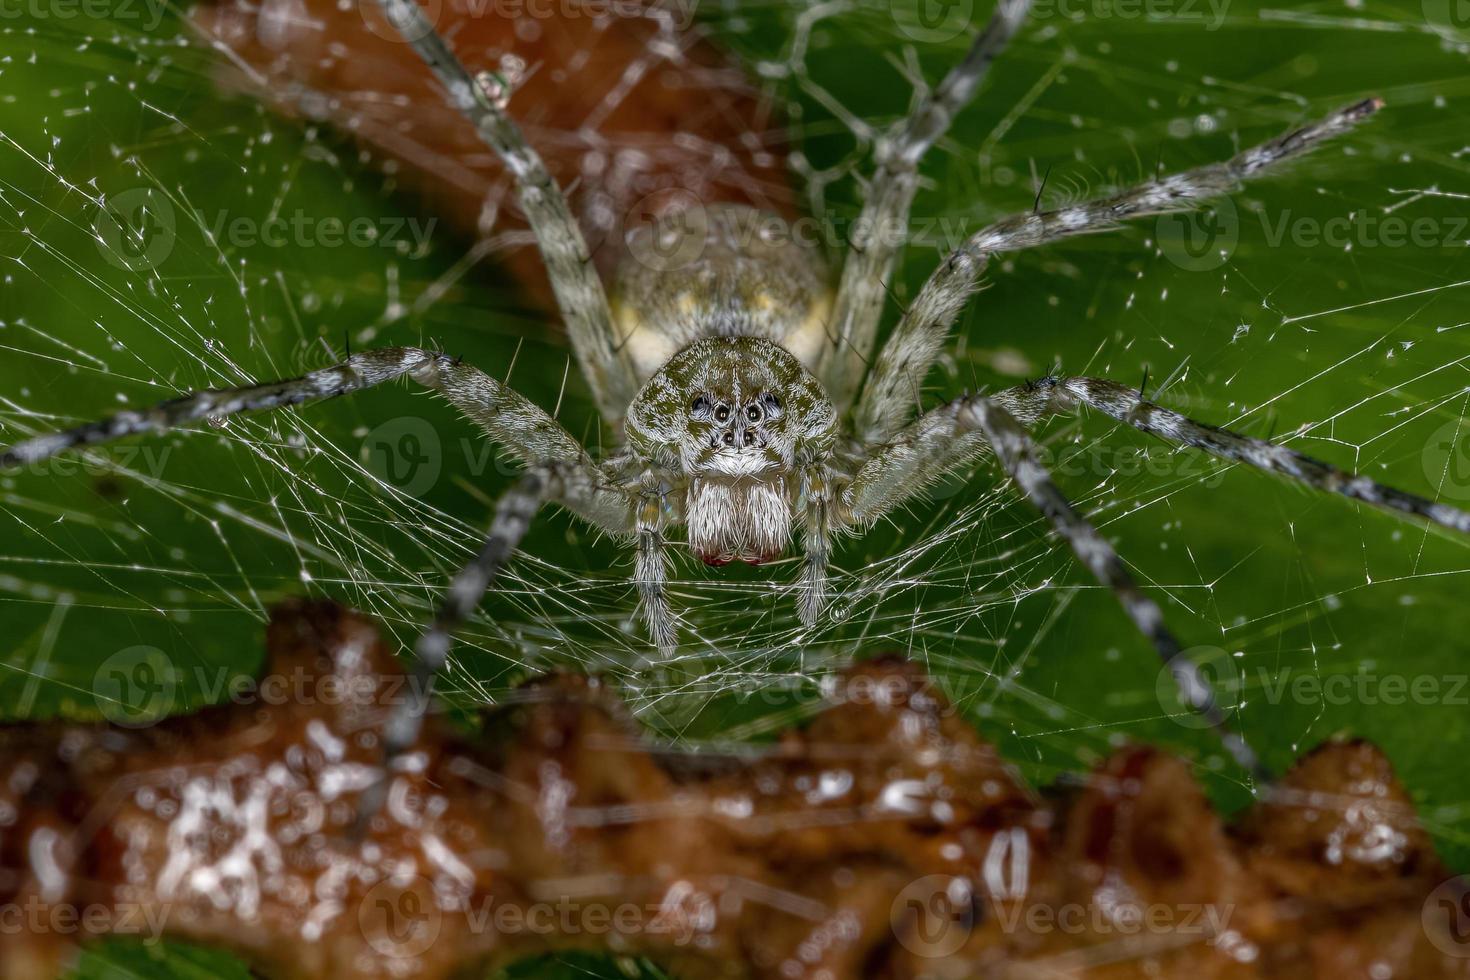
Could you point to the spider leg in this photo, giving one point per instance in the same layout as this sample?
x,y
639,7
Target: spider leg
x,y
890,193
1016,450
579,291
967,427
509,418
651,571
514,512
816,491
1054,395
910,352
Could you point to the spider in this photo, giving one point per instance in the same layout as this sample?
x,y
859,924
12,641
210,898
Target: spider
x,y
753,401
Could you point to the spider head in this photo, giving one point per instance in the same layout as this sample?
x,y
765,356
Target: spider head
x,y
738,417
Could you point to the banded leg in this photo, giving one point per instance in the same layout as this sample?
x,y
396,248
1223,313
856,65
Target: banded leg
x,y
967,427
890,193
1055,395
910,352
514,512
579,291
1017,453
510,419
816,491
651,571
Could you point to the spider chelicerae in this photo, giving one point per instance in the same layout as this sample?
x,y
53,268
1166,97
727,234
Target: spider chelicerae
x,y
751,401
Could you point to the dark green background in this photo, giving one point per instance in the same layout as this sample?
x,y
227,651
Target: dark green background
x,y
1359,355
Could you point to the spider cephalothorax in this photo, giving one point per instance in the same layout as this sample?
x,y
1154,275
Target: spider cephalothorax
x,y
731,370
734,418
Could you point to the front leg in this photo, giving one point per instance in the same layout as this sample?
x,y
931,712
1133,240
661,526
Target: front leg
x,y
932,446
818,518
651,566
525,431
929,448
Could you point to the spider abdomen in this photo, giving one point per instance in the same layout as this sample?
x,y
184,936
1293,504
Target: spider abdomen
x,y
696,272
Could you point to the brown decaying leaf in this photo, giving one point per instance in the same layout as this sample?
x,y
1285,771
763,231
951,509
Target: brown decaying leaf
x,y
885,838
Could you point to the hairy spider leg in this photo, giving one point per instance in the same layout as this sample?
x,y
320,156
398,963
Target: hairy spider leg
x,y
916,342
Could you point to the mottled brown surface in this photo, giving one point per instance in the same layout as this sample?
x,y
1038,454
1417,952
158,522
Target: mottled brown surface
x,y
622,106
883,839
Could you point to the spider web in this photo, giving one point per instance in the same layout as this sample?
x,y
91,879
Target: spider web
x,y
1354,350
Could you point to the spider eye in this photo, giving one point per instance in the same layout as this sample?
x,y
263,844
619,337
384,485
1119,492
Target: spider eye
x,y
722,413
700,405
771,404
753,413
